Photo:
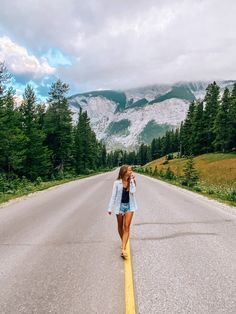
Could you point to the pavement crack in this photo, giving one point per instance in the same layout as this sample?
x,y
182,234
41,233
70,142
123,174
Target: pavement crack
x,y
175,235
184,222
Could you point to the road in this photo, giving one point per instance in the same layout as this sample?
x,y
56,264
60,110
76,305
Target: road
x,y
59,251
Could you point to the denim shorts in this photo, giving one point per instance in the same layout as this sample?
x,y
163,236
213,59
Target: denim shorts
x,y
124,208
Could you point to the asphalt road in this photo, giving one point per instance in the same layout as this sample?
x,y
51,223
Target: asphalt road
x,y
59,251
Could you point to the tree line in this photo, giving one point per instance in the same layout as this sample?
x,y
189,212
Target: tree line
x,y
41,141
209,126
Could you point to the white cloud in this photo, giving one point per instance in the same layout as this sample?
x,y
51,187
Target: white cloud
x,y
122,44
19,61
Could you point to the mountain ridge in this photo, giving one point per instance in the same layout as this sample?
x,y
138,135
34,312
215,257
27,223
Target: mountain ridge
x,y
126,118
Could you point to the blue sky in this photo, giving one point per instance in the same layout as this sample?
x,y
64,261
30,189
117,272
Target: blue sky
x,y
117,44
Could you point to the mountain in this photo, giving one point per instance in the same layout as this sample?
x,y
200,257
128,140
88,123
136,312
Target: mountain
x,y
124,119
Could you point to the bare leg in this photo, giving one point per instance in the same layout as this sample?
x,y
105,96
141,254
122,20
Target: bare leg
x,y
127,222
120,221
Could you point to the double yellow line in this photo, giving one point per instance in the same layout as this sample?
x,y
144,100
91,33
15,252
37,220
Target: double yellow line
x,y
129,286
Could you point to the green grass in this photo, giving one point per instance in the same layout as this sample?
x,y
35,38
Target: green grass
x,y
216,171
32,187
209,191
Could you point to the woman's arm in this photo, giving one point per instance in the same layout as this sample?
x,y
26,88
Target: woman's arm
x,y
113,195
132,186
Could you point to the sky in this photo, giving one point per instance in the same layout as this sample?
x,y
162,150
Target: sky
x,y
118,44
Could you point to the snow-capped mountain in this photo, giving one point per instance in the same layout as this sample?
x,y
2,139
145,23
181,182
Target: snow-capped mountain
x,y
124,119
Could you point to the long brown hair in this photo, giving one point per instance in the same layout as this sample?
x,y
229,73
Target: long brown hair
x,y
122,173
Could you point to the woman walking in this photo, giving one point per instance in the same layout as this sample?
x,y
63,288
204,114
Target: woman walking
x,y
124,203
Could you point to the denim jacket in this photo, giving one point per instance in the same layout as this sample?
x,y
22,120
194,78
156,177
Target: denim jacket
x,y
115,201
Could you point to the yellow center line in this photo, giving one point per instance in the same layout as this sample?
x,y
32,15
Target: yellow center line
x,y
129,287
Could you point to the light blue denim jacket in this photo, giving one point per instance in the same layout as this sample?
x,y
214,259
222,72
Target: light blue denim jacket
x,y
115,201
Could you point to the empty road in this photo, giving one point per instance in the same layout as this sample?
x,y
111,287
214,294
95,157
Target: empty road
x,y
60,251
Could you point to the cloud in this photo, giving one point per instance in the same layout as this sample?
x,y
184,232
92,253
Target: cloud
x,y
122,44
20,62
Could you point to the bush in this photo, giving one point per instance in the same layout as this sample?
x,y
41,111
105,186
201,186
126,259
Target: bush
x,y
232,195
38,181
155,172
169,156
169,174
210,191
197,188
3,182
190,173
87,171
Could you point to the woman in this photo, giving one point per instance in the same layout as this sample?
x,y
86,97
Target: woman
x,y
124,203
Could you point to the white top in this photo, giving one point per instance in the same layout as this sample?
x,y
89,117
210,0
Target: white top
x,y
115,201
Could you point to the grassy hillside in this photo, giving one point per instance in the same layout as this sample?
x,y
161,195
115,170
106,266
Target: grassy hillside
x,y
214,169
216,174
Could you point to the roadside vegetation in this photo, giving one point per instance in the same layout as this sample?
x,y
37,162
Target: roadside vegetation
x,y
211,174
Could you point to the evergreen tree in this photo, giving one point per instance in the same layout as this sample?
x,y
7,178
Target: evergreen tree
x,y
103,155
13,141
80,143
190,173
58,127
221,124
210,111
37,161
232,119
197,139
90,144
144,154
5,77
89,153
187,131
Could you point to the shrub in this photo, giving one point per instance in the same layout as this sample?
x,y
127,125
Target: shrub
x,y
197,188
232,195
169,174
38,181
155,172
169,156
190,177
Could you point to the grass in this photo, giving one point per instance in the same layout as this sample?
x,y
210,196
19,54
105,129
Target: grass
x,y
32,187
216,168
216,171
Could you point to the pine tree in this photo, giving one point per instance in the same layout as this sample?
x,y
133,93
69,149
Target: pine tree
x,y
197,138
190,173
232,119
87,148
5,77
37,161
221,124
79,144
210,111
90,144
187,131
13,141
58,127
